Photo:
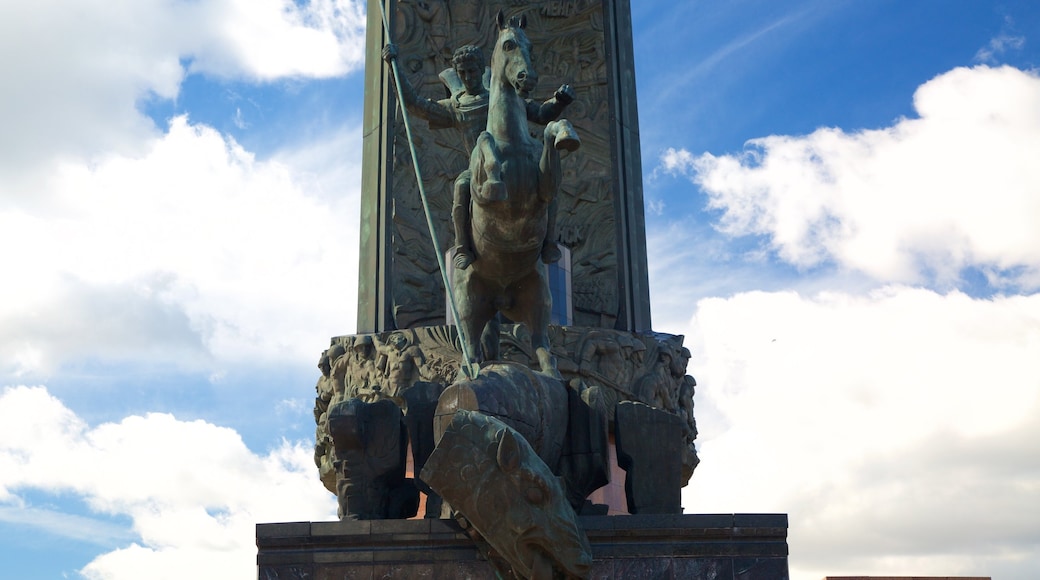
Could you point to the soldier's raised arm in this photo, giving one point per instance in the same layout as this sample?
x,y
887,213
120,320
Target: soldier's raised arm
x,y
551,109
420,106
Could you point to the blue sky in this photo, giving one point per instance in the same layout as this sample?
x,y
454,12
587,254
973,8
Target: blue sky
x,y
841,207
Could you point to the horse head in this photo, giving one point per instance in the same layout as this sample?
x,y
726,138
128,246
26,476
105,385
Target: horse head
x,y
511,60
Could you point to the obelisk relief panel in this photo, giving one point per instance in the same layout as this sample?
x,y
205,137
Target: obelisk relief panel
x,y
599,209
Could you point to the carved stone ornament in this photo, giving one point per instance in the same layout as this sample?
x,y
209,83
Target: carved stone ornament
x,y
602,367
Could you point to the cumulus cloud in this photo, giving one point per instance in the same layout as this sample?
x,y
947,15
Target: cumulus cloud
x,y
189,250
897,428
915,202
268,39
75,71
895,424
192,490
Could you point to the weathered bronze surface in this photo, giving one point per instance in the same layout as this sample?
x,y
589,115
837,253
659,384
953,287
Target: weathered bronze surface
x,y
510,497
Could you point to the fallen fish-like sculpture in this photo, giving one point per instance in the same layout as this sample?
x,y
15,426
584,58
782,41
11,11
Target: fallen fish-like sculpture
x,y
492,476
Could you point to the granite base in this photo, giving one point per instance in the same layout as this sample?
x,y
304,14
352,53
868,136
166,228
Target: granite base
x,y
710,547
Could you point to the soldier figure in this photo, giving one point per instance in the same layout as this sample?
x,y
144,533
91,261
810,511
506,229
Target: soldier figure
x,y
467,111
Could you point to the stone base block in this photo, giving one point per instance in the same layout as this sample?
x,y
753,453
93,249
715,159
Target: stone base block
x,y
710,547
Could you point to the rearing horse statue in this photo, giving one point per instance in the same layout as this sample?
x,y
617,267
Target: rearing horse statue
x,y
514,179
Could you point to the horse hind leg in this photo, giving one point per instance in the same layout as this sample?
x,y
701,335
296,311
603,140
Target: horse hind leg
x,y
533,305
461,220
491,339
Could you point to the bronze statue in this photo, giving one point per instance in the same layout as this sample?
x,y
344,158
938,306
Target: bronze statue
x,y
467,110
514,179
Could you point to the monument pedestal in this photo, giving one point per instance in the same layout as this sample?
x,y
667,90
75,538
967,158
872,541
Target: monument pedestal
x,y
714,546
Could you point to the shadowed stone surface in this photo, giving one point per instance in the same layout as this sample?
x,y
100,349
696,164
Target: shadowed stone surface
x,y
649,449
370,447
712,547
421,402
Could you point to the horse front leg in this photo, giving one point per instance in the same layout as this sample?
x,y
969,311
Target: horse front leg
x,y
549,173
532,304
491,339
557,135
565,137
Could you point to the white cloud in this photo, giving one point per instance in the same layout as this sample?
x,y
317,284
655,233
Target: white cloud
x,y
898,429
193,490
191,249
76,70
915,202
896,425
997,46
66,525
268,39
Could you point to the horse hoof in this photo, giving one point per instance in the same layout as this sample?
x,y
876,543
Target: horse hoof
x,y
567,140
494,191
462,258
553,372
547,364
551,253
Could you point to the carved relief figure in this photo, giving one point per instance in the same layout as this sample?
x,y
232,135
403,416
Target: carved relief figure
x,y
607,359
468,18
659,388
435,14
341,367
325,389
400,362
686,392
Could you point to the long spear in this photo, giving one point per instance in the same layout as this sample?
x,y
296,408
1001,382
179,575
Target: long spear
x,y
469,368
